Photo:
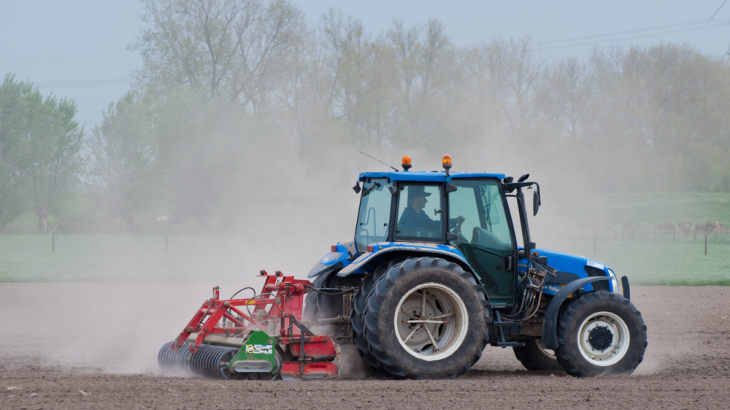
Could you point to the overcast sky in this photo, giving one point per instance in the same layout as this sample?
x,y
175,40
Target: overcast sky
x,y
78,48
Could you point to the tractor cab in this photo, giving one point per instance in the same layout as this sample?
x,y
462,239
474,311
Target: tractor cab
x,y
462,212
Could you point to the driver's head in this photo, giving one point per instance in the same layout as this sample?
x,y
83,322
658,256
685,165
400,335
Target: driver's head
x,y
417,197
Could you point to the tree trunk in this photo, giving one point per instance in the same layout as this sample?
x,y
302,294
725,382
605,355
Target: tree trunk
x,y
42,220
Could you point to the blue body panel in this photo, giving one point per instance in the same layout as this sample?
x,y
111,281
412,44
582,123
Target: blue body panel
x,y
565,262
421,176
331,261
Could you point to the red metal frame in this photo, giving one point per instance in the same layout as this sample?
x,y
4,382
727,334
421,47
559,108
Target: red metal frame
x,y
281,301
284,295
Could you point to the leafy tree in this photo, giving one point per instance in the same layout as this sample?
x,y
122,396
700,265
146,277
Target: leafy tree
x,y
41,144
55,145
223,48
122,154
14,149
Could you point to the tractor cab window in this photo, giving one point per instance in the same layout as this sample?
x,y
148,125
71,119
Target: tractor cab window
x,y
484,235
374,215
419,213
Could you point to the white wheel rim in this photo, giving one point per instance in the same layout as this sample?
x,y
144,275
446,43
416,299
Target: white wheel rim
x,y
445,321
546,352
619,339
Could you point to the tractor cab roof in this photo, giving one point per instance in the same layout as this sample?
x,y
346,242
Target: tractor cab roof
x,y
424,176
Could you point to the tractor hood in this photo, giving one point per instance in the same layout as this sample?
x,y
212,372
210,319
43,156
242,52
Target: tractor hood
x,y
566,262
336,259
571,267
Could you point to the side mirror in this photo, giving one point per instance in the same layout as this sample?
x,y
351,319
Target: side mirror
x,y
535,203
356,188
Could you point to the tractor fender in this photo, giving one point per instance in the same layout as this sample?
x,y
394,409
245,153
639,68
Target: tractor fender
x,y
392,251
550,325
366,258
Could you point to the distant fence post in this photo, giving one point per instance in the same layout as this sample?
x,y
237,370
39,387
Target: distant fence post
x,y
53,242
705,244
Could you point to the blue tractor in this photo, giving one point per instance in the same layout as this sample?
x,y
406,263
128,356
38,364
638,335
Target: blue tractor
x,y
435,274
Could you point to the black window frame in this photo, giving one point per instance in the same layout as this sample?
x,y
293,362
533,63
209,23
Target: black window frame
x,y
395,206
389,234
507,212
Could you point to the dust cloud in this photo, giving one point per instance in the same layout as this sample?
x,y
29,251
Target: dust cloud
x,y
263,181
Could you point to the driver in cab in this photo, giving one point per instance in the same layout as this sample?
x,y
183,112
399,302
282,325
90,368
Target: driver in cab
x,y
414,217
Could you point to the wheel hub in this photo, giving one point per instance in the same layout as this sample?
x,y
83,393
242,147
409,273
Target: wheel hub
x,y
603,338
431,321
600,338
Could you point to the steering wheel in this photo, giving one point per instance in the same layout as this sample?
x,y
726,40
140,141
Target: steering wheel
x,y
457,226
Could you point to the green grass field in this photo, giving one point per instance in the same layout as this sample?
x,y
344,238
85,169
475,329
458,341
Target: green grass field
x,y
648,259
646,209
99,258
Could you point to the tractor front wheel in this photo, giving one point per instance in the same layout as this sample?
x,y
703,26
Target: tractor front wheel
x,y
426,319
600,333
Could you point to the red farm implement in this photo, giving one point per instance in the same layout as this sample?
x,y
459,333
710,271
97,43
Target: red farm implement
x,y
258,338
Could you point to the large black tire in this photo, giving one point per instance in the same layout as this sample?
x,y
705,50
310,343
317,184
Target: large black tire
x,y
359,305
603,320
447,291
535,358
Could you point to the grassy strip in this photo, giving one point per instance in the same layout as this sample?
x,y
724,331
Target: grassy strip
x,y
106,258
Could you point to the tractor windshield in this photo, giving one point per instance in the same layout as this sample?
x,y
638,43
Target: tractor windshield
x,y
374,215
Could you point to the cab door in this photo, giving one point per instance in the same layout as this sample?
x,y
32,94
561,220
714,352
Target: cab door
x,y
484,237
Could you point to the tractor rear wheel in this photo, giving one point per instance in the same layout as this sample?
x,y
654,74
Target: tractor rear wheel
x,y
600,333
426,318
536,358
359,305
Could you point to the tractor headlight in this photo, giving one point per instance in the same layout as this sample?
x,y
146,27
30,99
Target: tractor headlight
x,y
614,281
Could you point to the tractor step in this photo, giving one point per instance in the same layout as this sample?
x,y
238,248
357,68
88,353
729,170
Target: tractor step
x,y
501,325
510,344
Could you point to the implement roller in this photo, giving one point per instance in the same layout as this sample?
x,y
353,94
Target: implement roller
x,y
257,338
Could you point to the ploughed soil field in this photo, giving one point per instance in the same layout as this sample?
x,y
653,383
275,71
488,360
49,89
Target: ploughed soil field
x,y
94,346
